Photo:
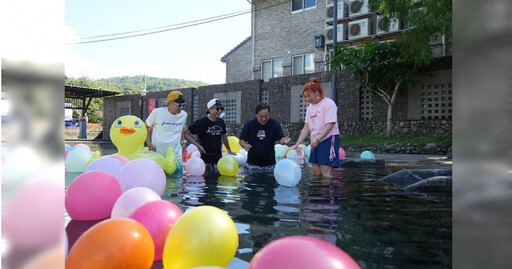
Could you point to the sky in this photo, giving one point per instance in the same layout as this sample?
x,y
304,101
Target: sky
x,y
191,53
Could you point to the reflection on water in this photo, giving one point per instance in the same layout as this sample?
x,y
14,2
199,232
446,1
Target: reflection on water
x,y
376,223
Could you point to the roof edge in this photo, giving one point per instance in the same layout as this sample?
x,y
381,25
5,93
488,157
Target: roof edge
x,y
223,59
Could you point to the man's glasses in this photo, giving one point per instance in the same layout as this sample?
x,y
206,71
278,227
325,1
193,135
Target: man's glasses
x,y
180,105
219,108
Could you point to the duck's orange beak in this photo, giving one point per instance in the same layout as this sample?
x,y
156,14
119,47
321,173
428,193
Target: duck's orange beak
x,y
127,130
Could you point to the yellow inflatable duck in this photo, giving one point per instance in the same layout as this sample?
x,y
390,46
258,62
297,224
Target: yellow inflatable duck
x,y
128,134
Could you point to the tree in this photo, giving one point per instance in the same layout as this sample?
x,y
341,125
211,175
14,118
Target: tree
x,y
426,19
385,67
381,67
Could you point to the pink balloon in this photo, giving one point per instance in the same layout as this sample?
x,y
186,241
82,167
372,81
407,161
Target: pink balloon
x,y
142,173
105,164
32,217
158,217
82,146
195,166
191,148
131,199
121,158
295,252
91,196
66,154
342,153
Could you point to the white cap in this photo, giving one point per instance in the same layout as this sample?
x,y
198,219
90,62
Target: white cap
x,y
213,102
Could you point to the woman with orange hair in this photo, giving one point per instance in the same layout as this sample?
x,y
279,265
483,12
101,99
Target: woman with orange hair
x,y
321,123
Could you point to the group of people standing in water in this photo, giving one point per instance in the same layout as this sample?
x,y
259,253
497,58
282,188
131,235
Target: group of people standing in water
x,y
168,127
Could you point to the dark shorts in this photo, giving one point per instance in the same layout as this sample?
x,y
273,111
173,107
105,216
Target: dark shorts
x,y
259,169
322,154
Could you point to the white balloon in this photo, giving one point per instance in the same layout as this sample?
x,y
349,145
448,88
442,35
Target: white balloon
x,y
196,153
131,200
241,158
195,166
287,173
280,150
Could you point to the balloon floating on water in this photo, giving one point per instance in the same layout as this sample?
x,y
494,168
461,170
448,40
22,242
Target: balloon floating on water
x,y
342,153
301,252
158,217
279,150
234,144
367,155
195,166
227,166
113,243
142,173
287,172
105,164
203,236
131,199
91,196
77,159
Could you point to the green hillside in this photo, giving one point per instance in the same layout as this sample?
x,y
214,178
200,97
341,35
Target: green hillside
x,y
125,85
130,85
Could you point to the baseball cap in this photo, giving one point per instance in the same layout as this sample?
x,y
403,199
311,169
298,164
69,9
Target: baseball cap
x,y
176,96
213,102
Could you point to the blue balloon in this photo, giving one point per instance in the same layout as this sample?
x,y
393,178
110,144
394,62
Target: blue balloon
x,y
367,155
68,148
287,173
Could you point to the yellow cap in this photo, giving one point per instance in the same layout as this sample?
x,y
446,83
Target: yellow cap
x,y
175,96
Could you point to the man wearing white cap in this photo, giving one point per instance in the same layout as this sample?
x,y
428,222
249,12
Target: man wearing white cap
x,y
211,131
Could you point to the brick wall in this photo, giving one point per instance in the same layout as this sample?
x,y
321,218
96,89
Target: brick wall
x,y
238,63
279,98
280,34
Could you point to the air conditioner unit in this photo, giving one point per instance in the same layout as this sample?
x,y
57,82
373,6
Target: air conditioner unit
x,y
359,29
340,34
358,7
329,11
392,25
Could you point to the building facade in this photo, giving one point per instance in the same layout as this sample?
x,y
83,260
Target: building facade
x,y
290,43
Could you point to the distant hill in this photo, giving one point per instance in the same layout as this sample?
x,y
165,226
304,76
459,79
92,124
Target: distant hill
x,y
130,85
125,85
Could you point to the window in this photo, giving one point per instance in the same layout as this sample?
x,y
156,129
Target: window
x,y
303,64
300,5
366,108
271,69
443,101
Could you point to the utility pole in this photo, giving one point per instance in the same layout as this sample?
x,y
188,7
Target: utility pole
x,y
334,41
142,94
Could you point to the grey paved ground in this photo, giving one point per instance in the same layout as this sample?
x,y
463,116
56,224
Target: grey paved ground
x,y
411,160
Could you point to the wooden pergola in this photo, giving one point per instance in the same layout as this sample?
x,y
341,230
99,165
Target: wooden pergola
x,y
77,97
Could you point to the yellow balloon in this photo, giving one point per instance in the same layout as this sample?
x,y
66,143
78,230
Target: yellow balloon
x,y
287,150
203,236
227,166
234,144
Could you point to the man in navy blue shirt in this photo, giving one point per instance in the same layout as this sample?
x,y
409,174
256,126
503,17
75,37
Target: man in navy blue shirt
x,y
258,137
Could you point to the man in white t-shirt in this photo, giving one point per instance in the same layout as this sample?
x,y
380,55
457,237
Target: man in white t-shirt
x,y
166,124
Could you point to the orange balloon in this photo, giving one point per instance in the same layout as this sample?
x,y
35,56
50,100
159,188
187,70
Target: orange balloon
x,y
113,243
189,155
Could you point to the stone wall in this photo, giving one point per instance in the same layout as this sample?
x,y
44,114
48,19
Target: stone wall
x,y
400,128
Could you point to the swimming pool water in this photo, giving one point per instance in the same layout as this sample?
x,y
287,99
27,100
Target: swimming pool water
x,y
376,223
